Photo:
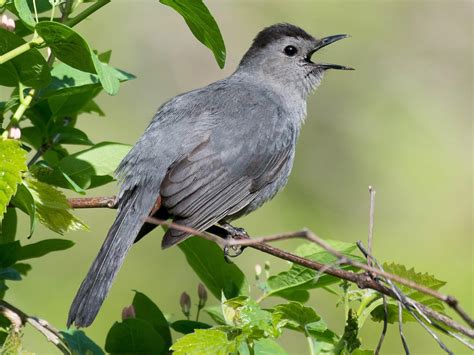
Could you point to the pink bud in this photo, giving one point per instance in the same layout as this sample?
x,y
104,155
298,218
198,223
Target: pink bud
x,y
128,312
14,133
7,23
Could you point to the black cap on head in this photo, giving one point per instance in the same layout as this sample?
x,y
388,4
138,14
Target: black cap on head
x,y
278,31
274,33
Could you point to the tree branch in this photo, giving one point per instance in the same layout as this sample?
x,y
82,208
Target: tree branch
x,y
362,280
18,318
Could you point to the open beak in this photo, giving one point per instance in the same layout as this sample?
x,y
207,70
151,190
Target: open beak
x,y
323,43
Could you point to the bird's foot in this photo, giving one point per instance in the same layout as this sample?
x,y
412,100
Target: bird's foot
x,y
233,233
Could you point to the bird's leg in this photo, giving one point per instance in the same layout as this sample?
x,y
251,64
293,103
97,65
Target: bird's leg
x,y
227,231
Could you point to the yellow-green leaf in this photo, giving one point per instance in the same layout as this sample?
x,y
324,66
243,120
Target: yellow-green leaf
x,y
52,208
204,341
12,164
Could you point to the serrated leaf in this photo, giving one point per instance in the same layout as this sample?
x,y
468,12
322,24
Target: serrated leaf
x,y
148,311
79,343
12,164
295,316
134,336
202,25
52,208
209,341
207,261
246,314
299,278
423,279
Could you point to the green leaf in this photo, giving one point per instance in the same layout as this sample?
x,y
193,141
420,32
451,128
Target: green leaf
x,y
208,341
134,336
73,50
24,13
423,279
267,347
108,79
67,45
185,326
29,68
8,226
295,316
12,164
10,273
71,135
67,80
52,208
202,25
207,261
8,253
299,278
100,160
215,312
25,202
148,311
22,268
247,315
39,249
79,343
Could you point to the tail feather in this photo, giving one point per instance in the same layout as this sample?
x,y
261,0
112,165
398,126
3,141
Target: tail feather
x,y
134,208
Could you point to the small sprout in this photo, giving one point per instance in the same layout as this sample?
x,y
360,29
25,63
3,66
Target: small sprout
x,y
202,293
258,271
7,23
185,302
128,312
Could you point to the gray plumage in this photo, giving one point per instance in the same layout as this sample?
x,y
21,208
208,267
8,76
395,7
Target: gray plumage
x,y
213,154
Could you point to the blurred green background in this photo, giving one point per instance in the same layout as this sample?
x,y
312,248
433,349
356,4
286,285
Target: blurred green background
x,y
401,122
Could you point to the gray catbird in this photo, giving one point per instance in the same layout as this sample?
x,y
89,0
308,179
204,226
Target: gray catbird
x,y
213,154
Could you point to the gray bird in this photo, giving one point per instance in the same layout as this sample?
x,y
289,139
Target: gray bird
x,y
212,154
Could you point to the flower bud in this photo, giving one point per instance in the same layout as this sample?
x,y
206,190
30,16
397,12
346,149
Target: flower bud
x,y
14,133
202,293
185,302
128,312
7,23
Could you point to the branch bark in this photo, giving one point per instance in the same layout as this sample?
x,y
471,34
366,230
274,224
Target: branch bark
x,y
362,280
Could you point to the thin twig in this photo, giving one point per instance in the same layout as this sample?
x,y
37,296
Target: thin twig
x,y
371,222
385,325
39,324
361,279
400,328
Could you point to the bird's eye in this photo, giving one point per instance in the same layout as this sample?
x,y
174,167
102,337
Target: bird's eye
x,y
290,51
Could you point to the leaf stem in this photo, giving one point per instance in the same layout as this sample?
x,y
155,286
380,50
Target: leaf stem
x,y
24,104
87,12
25,47
312,351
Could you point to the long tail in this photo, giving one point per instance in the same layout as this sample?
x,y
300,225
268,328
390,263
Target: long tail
x,y
135,204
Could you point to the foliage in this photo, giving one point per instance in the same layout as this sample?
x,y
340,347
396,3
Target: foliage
x,y
48,94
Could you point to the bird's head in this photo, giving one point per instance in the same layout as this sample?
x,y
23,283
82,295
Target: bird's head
x,y
282,54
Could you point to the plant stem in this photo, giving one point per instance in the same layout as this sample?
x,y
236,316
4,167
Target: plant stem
x,y
25,47
87,12
310,344
24,104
